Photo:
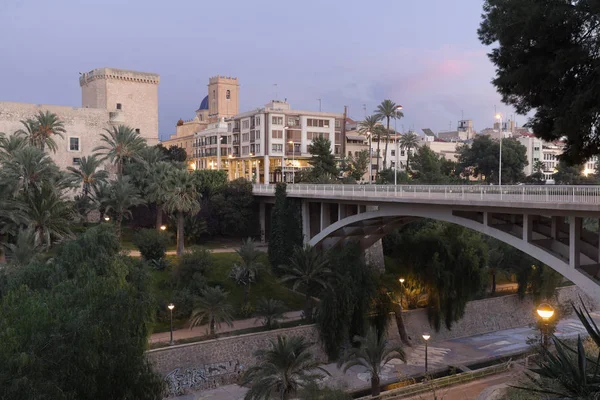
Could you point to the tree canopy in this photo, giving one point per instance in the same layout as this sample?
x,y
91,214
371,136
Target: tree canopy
x,y
546,57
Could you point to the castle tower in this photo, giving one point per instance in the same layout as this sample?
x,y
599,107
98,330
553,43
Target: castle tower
x,y
223,97
131,97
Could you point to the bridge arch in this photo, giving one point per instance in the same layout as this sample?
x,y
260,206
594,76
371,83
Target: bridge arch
x,y
368,227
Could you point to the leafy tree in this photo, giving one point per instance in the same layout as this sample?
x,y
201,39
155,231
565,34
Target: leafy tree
x,y
88,174
191,268
286,228
546,64
122,195
24,249
313,391
537,177
308,269
213,308
151,243
571,175
173,153
245,272
427,167
387,109
74,325
210,182
373,354
231,211
41,129
322,160
483,158
270,312
182,199
284,368
408,141
357,166
121,143
387,176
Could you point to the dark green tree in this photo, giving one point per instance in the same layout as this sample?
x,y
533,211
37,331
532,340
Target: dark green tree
x,y
286,228
571,175
174,153
322,161
358,165
427,167
547,64
482,157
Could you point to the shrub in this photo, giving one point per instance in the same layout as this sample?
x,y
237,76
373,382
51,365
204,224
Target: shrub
x,y
184,304
151,243
190,269
313,391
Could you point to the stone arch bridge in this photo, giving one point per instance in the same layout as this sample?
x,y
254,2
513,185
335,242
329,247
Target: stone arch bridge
x,y
543,221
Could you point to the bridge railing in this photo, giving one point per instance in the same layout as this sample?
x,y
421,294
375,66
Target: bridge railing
x,y
524,193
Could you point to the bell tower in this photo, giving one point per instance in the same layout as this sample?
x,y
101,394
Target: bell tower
x,y
223,97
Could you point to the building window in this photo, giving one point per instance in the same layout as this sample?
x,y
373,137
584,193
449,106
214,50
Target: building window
x,y
256,120
137,130
314,135
245,150
401,153
252,149
228,95
276,134
76,161
229,127
119,106
277,120
293,121
277,148
74,144
320,123
258,134
338,123
245,137
393,153
245,124
393,164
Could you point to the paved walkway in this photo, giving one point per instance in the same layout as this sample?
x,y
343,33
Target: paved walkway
x,y
201,330
259,247
454,352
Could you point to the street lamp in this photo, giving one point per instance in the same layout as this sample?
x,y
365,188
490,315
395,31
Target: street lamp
x,y
171,306
163,227
401,280
499,118
426,337
293,161
398,108
285,129
107,218
545,311
370,160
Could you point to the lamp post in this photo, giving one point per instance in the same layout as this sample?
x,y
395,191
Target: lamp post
x,y
285,129
163,227
293,161
545,311
401,280
171,306
398,108
107,218
370,160
426,337
499,118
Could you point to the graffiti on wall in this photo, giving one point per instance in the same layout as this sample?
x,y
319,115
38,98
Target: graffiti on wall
x,y
208,376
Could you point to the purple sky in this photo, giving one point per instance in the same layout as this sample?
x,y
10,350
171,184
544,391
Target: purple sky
x,y
422,54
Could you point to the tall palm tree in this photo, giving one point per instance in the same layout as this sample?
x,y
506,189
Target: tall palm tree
x,y
284,368
24,248
28,169
88,173
373,354
308,269
269,312
182,198
121,143
408,141
10,144
370,127
50,216
388,110
213,308
101,197
122,196
538,166
157,188
245,272
41,129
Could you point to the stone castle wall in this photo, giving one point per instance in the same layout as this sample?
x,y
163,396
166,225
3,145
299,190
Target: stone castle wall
x,y
209,364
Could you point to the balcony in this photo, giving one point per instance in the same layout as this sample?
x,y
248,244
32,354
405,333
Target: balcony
x,y
236,130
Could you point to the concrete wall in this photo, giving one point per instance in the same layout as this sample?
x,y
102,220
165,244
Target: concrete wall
x,y
212,363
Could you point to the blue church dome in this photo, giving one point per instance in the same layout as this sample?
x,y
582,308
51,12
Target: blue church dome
x,y
204,104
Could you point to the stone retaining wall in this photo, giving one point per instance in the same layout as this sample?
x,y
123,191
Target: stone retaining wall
x,y
212,363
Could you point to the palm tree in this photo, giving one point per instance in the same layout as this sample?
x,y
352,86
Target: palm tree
x,y
388,109
182,198
28,169
25,247
101,197
308,269
120,144
283,369
245,272
122,196
373,354
50,216
538,166
157,189
370,127
48,124
212,307
408,141
88,173
270,311
10,144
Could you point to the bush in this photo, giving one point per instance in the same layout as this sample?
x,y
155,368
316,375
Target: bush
x,y
151,243
191,268
184,304
313,391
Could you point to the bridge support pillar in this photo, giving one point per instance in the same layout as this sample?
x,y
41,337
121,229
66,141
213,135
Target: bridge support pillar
x,y
325,215
575,241
555,227
262,217
527,227
342,212
374,257
266,170
305,221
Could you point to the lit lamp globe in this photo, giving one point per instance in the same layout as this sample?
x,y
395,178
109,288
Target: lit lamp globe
x,y
163,227
107,219
171,306
401,280
545,311
426,336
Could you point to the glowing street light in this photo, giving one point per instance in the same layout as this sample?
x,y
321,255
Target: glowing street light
x,y
401,280
163,227
546,312
171,306
107,218
426,337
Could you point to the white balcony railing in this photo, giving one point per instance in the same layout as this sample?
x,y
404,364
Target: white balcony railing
x,y
538,194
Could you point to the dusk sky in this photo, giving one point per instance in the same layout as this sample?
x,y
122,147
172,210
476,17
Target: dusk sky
x,y
422,54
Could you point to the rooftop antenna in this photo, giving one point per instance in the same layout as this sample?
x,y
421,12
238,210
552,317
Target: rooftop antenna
x,y
365,109
319,105
450,125
276,92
